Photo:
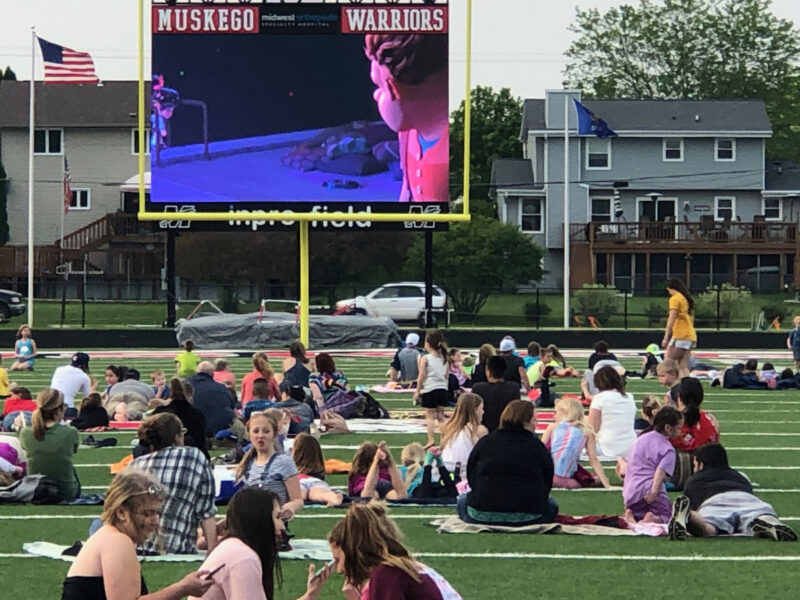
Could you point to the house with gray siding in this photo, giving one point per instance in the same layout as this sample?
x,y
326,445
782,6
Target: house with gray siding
x,y
683,190
95,127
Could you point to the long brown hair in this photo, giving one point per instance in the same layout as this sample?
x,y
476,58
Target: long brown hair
x,y
49,403
368,538
464,417
250,455
261,364
486,352
307,455
607,378
435,339
363,458
249,519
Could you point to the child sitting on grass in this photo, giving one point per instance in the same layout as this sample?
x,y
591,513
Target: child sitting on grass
x,y
418,476
651,461
566,438
186,362
91,414
160,387
374,473
307,455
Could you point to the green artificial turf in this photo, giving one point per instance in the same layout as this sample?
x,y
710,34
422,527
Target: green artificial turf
x,y
647,568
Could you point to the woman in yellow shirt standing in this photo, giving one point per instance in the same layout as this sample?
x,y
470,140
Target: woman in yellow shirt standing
x,y
680,336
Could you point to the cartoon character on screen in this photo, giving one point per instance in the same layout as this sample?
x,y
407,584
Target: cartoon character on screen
x,y
410,75
163,101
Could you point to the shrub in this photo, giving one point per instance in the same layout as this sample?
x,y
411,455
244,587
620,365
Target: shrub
x,y
774,311
535,311
228,299
656,314
732,300
597,300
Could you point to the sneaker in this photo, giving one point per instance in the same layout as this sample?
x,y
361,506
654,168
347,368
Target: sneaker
x,y
763,528
679,520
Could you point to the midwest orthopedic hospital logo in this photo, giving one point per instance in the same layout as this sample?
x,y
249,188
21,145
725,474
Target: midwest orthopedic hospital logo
x,y
173,208
422,210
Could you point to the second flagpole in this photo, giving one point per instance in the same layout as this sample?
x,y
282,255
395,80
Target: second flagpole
x,y
31,258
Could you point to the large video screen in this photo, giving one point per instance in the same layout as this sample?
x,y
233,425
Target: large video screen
x,y
288,104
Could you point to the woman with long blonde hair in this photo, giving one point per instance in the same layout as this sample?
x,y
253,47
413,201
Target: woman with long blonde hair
x,y
462,431
566,438
368,549
107,566
50,444
263,466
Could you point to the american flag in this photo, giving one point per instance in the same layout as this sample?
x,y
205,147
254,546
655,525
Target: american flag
x,y
67,186
65,65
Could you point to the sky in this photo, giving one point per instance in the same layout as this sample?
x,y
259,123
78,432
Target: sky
x,y
520,46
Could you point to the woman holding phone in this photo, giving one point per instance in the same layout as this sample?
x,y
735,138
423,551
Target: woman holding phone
x,y
245,563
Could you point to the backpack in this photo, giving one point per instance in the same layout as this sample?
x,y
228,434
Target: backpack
x,y
372,408
36,489
346,404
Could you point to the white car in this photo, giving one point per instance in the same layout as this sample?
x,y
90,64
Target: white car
x,y
403,301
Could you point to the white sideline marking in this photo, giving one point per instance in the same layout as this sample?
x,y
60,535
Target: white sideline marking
x,y
654,557
603,557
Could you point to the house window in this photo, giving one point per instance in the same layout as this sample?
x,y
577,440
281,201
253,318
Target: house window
x,y
81,199
47,141
598,153
531,215
772,209
673,149
135,141
724,208
601,209
724,149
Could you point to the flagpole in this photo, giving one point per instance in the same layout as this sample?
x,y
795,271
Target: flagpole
x,y
31,264
566,210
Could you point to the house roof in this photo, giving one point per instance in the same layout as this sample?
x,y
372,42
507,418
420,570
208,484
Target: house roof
x,y
512,173
782,175
664,116
108,105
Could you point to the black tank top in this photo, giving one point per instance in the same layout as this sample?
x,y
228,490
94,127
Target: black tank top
x,y
88,588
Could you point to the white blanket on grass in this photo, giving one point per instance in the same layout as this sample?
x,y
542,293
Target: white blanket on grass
x,y
456,525
301,550
386,425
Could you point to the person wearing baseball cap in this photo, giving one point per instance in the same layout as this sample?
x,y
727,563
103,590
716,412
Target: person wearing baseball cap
x,y
403,368
515,366
73,379
651,359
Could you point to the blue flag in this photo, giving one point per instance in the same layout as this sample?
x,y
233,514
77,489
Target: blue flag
x,y
588,124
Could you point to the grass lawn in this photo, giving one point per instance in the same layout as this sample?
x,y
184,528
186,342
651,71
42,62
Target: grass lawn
x,y
760,429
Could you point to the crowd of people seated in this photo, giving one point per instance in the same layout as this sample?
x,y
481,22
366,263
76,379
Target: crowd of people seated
x,y
490,462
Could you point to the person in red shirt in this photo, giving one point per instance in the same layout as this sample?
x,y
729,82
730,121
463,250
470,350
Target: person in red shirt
x,y
19,402
261,369
411,80
699,427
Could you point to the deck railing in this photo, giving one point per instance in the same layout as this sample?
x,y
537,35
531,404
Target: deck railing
x,y
685,232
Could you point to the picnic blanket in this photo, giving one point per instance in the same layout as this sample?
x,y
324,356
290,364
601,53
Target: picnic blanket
x,y
411,426
301,550
392,389
455,525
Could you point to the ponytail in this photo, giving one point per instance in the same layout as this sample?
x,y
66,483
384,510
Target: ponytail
x,y
261,364
435,339
176,389
49,403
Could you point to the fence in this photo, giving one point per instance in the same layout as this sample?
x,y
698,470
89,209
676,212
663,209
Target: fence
x,y
120,303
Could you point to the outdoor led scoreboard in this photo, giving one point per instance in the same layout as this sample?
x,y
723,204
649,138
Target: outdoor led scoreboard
x,y
287,111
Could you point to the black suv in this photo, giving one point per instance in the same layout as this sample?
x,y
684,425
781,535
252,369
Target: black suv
x,y
11,304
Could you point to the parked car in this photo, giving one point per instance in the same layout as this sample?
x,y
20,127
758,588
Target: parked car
x,y
402,301
11,304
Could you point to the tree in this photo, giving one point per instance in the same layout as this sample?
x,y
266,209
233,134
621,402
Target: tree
x,y
495,119
693,49
476,259
9,75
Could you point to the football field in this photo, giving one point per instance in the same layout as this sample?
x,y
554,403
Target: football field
x,y
760,429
